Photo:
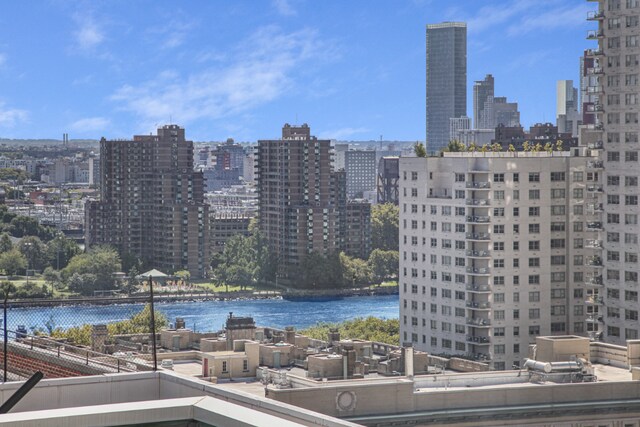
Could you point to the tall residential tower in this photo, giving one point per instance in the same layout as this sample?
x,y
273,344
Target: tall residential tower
x,y
151,202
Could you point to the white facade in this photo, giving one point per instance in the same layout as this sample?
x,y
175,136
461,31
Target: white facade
x,y
567,107
495,249
616,107
361,168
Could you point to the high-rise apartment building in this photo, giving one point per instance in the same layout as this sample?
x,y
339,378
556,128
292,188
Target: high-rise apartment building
x,y
616,62
497,111
483,90
446,80
297,214
567,108
496,249
151,202
360,166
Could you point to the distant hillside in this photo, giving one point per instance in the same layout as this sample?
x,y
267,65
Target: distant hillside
x,y
85,143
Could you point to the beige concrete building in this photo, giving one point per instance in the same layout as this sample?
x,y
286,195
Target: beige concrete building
x,y
615,64
497,249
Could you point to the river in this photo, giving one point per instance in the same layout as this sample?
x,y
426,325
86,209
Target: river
x,y
205,316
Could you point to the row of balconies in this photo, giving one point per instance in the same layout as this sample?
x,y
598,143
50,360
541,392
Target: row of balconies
x,y
596,164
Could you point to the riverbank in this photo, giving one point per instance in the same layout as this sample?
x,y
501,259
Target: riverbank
x,y
194,296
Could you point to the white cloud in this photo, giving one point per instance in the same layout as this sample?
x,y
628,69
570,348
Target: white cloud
x,y
284,7
559,17
530,60
90,124
523,16
343,133
9,117
258,70
174,35
89,34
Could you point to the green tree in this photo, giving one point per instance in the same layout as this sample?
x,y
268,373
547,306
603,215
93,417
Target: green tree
x,y
7,289
512,149
526,146
132,282
5,243
52,277
383,264
34,251
265,261
32,290
84,284
11,174
101,262
559,145
21,226
496,148
60,250
369,329
384,227
419,149
473,147
355,271
237,263
13,262
455,146
317,271
548,147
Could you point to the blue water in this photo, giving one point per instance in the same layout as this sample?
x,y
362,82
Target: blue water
x,y
211,315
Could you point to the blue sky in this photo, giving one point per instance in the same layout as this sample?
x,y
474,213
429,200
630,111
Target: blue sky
x,y
352,69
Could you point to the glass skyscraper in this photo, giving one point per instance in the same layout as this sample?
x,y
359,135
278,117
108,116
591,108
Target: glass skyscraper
x,y
446,80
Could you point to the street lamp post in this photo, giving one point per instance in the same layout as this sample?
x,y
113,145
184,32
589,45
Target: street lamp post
x,y
28,245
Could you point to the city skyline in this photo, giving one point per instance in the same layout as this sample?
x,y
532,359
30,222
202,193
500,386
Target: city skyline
x,y
354,73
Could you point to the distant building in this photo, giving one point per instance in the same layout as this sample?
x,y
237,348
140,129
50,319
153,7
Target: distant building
x,y
591,71
483,90
151,202
478,137
358,229
228,167
446,77
497,111
388,177
224,226
458,124
567,108
540,133
339,151
297,214
360,166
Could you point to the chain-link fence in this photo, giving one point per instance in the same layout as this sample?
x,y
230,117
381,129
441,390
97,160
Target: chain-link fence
x,y
75,337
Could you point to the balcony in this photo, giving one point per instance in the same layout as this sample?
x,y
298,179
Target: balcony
x,y
478,323
595,188
595,34
593,244
594,226
594,281
594,301
594,319
479,271
478,236
478,340
478,254
479,288
478,219
596,164
595,70
478,202
481,185
596,15
595,207
595,108
594,261
594,52
599,145
479,305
